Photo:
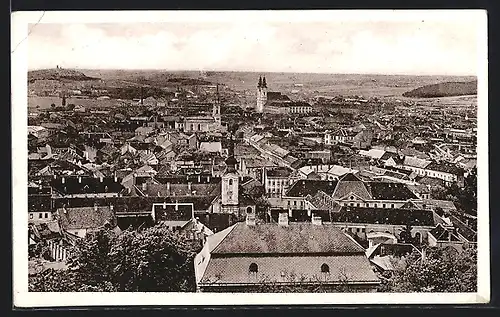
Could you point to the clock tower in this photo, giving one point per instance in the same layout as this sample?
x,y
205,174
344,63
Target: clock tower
x,y
230,183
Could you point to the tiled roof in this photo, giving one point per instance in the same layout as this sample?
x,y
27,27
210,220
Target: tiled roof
x,y
86,217
351,184
349,269
390,216
180,212
304,187
445,167
415,162
39,203
463,229
180,189
82,185
279,172
297,238
390,191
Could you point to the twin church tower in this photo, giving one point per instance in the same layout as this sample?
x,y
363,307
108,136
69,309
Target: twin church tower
x,y
261,94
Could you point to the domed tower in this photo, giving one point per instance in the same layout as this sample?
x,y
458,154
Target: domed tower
x,y
261,94
230,184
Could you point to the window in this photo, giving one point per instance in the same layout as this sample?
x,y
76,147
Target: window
x,y
199,127
352,197
192,126
288,203
31,216
367,205
363,230
383,205
46,215
295,203
40,216
357,205
249,210
352,204
392,205
230,182
253,268
375,205
325,268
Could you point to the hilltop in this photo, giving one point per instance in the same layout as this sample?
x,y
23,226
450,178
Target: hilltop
x,y
58,74
446,89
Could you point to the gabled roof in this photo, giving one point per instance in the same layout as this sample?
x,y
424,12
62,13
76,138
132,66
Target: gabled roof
x,y
351,184
86,217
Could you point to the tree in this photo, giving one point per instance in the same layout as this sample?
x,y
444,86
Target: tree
x,y
154,259
441,270
262,206
53,106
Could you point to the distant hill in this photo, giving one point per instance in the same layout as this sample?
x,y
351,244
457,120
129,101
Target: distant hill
x,y
58,74
446,89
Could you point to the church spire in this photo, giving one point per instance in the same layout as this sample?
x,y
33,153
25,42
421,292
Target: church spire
x,y
231,161
260,82
264,84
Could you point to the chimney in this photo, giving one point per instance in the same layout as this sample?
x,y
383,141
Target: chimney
x,y
208,179
164,205
100,179
111,207
250,219
63,180
79,179
168,188
316,220
283,219
95,207
189,187
199,179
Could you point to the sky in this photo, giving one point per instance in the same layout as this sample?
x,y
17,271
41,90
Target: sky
x,y
380,47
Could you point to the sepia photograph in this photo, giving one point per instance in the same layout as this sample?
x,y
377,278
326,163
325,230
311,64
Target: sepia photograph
x,y
258,154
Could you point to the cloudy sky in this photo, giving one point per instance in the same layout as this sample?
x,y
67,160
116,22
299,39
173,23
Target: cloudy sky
x,y
385,47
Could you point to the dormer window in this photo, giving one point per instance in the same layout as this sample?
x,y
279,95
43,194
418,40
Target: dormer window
x,y
253,268
325,268
352,197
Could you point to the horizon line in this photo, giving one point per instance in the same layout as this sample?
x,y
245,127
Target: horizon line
x,y
252,71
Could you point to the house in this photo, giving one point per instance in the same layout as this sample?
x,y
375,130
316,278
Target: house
x,y
447,172
79,221
180,217
444,236
386,257
249,256
144,131
86,186
277,181
211,147
39,203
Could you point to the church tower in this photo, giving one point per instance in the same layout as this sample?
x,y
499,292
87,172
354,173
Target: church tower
x,y
216,109
230,183
261,94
